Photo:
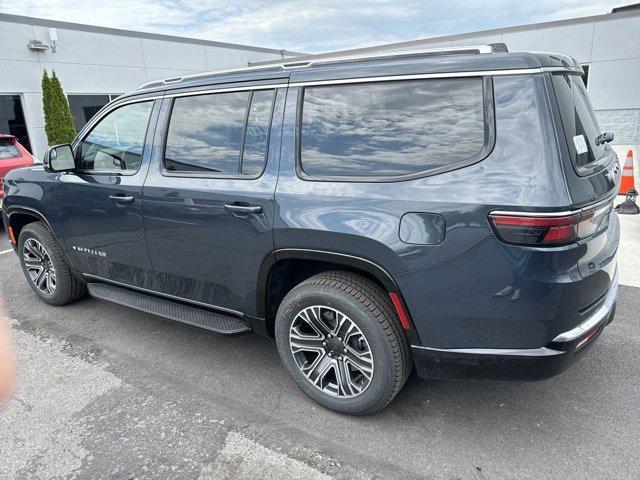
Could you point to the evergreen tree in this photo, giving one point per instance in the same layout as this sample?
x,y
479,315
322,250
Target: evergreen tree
x,y
46,104
58,121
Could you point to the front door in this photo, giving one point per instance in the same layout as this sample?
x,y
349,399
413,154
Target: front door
x,y
101,203
209,195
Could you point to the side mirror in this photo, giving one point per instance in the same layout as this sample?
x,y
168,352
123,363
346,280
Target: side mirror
x,y
59,158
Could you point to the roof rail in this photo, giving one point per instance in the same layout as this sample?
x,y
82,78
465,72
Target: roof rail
x,y
337,58
477,49
169,81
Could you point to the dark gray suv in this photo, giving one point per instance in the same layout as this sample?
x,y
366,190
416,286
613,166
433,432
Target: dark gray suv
x,y
445,210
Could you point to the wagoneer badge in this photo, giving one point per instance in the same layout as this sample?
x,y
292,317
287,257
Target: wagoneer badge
x,y
89,251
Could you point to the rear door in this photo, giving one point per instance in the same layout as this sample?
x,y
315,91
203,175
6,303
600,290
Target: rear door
x,y
100,204
209,196
592,171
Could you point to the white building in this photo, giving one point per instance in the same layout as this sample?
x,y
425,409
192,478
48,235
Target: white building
x,y
607,46
94,64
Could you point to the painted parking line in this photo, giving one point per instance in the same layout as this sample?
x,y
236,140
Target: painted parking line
x,y
6,251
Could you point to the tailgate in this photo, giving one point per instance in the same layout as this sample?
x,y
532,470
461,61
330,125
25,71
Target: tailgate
x,y
592,171
597,264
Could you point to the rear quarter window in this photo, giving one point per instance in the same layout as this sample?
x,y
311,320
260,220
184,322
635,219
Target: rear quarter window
x,y
392,129
578,121
8,149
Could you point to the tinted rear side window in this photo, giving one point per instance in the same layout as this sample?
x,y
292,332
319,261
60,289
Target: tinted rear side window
x,y
257,132
578,120
211,133
205,133
8,149
386,129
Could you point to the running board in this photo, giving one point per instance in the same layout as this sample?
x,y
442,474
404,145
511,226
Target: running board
x,y
165,308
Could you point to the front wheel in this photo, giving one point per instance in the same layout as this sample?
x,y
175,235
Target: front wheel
x,y
45,267
339,338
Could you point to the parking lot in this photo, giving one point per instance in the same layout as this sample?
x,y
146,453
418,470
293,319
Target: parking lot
x,y
107,392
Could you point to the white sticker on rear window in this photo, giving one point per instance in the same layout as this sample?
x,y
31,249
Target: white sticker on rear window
x,y
581,144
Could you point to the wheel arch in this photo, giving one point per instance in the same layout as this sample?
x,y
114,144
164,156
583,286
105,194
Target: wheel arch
x,y
286,268
19,217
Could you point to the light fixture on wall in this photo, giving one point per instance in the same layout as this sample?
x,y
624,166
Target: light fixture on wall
x,y
38,46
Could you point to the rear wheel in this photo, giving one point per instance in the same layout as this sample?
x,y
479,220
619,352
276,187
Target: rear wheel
x,y
45,267
338,336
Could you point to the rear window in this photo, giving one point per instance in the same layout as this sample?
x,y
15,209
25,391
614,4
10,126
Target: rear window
x,y
387,129
578,120
8,149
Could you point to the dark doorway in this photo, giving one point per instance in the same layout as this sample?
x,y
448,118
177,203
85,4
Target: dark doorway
x,y
84,107
12,119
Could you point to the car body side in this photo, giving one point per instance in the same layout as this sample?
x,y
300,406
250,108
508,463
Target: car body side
x,y
448,287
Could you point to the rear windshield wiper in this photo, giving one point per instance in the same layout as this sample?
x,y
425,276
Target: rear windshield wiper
x,y
604,138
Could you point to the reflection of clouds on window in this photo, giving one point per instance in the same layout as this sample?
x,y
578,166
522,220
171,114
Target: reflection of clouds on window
x,y
123,129
391,128
257,134
117,141
205,132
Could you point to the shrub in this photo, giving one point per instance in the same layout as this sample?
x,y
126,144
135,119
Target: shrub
x,y
58,121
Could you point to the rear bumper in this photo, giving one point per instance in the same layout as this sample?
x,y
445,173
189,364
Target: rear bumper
x,y
518,364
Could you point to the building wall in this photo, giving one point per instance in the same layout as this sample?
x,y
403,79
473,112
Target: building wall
x,y
609,44
92,62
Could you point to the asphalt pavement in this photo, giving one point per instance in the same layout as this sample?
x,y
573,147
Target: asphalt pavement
x,y
107,392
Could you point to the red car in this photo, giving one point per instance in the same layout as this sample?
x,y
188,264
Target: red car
x,y
12,155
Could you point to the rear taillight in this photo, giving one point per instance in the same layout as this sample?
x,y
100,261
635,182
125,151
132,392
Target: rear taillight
x,y
549,229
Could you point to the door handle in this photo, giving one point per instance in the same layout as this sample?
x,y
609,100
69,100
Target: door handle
x,y
237,208
121,198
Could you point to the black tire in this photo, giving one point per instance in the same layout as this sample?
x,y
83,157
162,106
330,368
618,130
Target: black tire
x,y
68,287
369,307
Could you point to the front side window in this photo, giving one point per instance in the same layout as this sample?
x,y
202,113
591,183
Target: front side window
x,y
116,143
219,133
386,129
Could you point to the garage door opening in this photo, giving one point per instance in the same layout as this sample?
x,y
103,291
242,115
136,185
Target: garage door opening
x,y
12,119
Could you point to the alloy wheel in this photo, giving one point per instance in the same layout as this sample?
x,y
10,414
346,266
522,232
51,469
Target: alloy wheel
x,y
331,351
39,266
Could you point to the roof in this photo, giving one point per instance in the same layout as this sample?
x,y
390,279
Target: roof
x,y
626,8
43,22
453,61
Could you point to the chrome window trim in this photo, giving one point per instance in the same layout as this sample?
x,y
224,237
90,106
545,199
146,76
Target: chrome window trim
x,y
112,106
192,93
418,76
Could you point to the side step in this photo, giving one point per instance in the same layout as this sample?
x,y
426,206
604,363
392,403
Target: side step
x,y
168,309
